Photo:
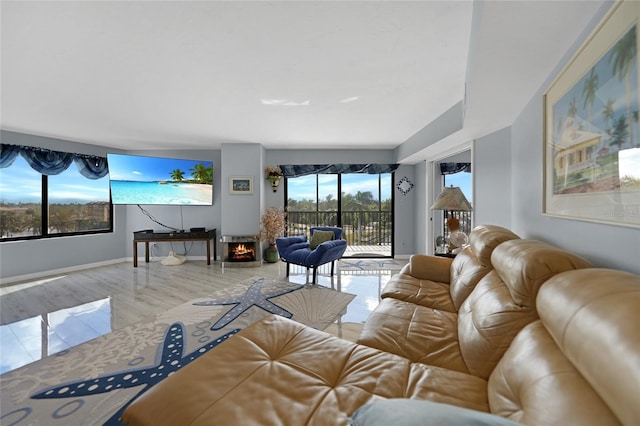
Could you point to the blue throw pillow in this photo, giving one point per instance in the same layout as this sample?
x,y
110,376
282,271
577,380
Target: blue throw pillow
x,y
413,412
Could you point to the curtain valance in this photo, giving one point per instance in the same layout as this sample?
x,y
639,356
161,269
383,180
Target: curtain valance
x,y
50,162
451,168
297,170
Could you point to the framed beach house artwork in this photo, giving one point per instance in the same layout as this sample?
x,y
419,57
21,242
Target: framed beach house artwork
x,y
241,185
591,131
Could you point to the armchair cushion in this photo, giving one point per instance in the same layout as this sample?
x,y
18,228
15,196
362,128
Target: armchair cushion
x,y
288,244
319,237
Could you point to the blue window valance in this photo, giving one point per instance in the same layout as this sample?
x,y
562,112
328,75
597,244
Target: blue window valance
x,y
297,170
50,162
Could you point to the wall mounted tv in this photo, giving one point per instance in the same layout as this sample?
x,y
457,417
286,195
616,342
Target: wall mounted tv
x,y
136,179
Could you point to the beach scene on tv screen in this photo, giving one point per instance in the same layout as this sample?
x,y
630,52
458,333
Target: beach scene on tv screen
x,y
154,180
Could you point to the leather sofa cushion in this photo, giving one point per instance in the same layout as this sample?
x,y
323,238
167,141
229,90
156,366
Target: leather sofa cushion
x,y
485,238
526,264
593,315
582,357
443,283
535,384
421,334
421,292
487,323
277,371
503,302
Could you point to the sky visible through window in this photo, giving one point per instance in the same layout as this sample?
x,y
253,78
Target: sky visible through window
x,y
304,188
19,183
462,180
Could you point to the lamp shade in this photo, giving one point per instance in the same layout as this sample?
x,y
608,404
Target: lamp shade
x,y
452,198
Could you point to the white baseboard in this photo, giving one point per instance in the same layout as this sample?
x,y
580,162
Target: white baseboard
x,y
38,275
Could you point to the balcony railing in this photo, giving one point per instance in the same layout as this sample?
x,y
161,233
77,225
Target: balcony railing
x,y
360,227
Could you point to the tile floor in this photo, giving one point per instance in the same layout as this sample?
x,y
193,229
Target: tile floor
x,y
37,321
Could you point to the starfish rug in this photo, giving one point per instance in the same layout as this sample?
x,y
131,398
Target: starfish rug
x,y
93,383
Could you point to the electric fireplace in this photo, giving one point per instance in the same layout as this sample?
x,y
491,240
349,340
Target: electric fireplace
x,y
240,250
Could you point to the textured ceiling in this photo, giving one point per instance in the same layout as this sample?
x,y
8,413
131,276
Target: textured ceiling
x,y
328,74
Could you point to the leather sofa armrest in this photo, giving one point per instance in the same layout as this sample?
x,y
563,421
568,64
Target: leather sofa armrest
x,y
432,268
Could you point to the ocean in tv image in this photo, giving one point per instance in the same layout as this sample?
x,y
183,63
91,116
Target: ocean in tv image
x,y
138,179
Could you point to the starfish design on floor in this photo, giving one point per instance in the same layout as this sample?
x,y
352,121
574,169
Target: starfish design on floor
x,y
170,358
256,295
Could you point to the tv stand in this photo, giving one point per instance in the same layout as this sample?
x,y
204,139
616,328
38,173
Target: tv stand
x,y
147,237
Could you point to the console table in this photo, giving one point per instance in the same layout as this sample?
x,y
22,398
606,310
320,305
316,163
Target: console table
x,y
147,237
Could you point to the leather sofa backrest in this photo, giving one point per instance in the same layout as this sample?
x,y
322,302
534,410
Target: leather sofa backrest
x,y
503,302
474,262
580,363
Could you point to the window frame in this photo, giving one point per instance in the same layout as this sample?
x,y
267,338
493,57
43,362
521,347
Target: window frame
x,y
44,219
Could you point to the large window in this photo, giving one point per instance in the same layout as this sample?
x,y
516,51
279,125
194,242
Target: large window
x,y
360,203
36,205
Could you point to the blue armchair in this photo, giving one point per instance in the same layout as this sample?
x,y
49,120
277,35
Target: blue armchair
x,y
297,250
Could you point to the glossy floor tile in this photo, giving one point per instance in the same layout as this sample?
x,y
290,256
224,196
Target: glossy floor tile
x,y
42,317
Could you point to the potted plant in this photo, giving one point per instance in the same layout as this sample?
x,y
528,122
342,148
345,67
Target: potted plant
x,y
272,226
273,175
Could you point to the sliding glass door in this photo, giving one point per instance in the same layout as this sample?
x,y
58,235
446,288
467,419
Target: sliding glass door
x,y
360,203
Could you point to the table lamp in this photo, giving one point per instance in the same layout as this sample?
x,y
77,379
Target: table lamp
x,y
452,199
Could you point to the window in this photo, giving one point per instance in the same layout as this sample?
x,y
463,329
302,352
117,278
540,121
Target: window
x,y
457,174
35,205
360,203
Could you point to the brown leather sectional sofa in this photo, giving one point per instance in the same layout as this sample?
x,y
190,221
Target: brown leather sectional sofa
x,y
513,327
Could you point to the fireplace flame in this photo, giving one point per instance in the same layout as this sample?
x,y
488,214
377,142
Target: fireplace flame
x,y
242,252
241,249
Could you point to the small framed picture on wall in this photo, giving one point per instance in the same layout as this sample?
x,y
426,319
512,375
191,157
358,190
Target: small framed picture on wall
x,y
241,185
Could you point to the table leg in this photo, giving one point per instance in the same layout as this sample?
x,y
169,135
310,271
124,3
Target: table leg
x,y
208,253
135,254
215,247
146,251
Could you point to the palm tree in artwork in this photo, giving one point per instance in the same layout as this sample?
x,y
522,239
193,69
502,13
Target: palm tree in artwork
x,y
571,112
589,92
620,132
177,175
607,113
623,55
202,173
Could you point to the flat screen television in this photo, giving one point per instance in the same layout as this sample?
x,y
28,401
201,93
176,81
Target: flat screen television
x,y
136,179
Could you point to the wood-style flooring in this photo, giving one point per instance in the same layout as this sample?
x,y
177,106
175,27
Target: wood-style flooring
x,y
41,317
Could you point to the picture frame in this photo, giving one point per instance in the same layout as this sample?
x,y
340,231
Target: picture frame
x,y
591,134
241,185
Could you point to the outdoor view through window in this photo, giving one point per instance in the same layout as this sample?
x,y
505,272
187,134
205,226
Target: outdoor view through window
x,y
72,203
359,203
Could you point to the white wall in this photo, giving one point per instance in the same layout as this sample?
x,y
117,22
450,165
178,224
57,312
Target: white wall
x,y
604,245
421,212
31,256
241,213
178,217
406,233
491,167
